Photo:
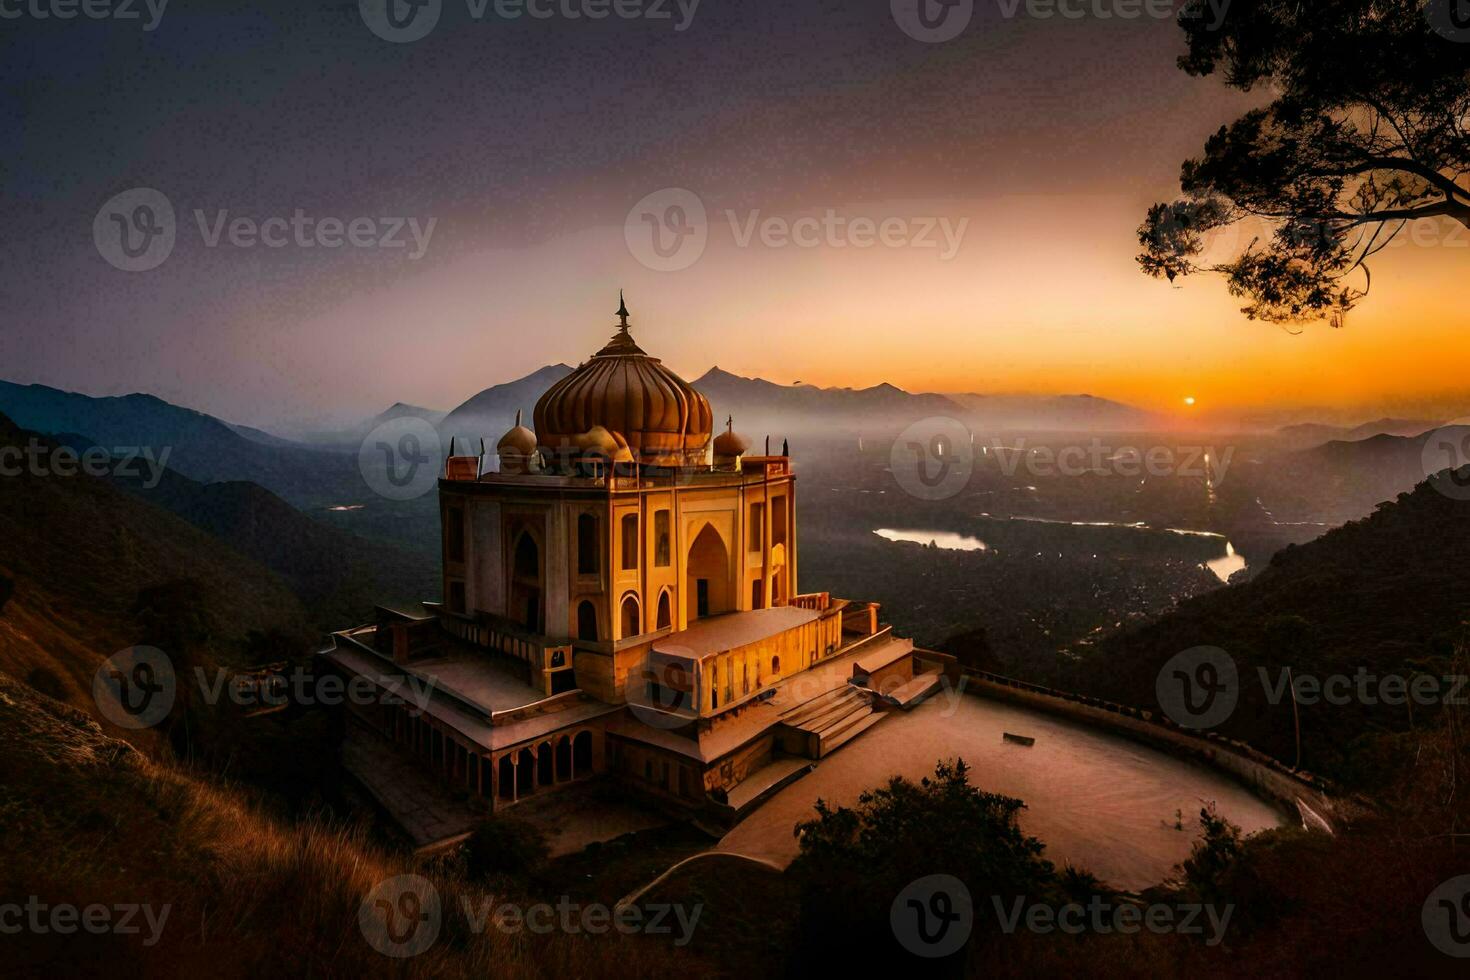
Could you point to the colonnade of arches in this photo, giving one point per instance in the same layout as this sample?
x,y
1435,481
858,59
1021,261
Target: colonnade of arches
x,y
508,776
560,759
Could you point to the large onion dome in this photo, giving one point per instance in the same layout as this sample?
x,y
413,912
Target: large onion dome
x,y
659,415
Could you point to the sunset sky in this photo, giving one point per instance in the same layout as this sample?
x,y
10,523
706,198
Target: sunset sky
x,y
528,144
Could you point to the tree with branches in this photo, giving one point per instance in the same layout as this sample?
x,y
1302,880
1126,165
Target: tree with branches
x,y
1366,133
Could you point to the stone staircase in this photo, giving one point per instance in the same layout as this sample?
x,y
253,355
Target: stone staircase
x,y
823,724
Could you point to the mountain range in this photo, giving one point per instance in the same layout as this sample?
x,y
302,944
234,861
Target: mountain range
x,y
1305,435
763,408
1386,594
86,560
200,446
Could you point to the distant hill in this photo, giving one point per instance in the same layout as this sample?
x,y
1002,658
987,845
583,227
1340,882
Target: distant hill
x,y
350,439
1306,435
1056,413
762,407
200,446
1387,594
338,576
1342,480
80,552
492,412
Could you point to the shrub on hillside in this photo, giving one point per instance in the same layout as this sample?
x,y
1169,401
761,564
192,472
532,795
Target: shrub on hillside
x,y
855,862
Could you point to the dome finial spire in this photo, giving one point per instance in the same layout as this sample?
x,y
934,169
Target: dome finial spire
x,y
622,341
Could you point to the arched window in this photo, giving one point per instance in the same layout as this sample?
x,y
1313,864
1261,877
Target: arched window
x,y
665,614
631,625
586,621
630,541
589,548
776,666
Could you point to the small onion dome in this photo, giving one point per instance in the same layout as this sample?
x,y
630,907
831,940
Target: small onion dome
x,y
625,452
516,447
597,441
519,441
730,442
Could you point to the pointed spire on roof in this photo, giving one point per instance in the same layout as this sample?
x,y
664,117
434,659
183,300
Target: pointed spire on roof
x,y
622,341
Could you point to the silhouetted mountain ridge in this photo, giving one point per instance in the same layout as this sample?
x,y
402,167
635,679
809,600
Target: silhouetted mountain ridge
x,y
81,554
1386,594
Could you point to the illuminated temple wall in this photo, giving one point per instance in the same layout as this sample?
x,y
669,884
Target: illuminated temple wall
x,y
609,572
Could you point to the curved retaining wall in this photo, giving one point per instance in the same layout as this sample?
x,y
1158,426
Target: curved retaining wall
x,y
1297,791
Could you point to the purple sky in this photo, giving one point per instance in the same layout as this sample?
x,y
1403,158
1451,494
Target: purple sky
x,y
527,143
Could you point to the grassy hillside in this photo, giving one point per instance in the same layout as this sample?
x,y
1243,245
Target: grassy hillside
x,y
1385,595
94,570
338,576
248,893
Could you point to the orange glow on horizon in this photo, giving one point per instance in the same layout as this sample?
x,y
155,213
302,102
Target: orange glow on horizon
x,y
1043,297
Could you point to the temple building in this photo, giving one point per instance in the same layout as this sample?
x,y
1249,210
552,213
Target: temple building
x,y
621,598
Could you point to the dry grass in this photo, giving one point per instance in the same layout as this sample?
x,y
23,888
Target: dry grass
x,y
87,819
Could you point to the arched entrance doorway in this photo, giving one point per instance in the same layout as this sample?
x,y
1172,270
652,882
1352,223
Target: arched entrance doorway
x,y
708,580
665,614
